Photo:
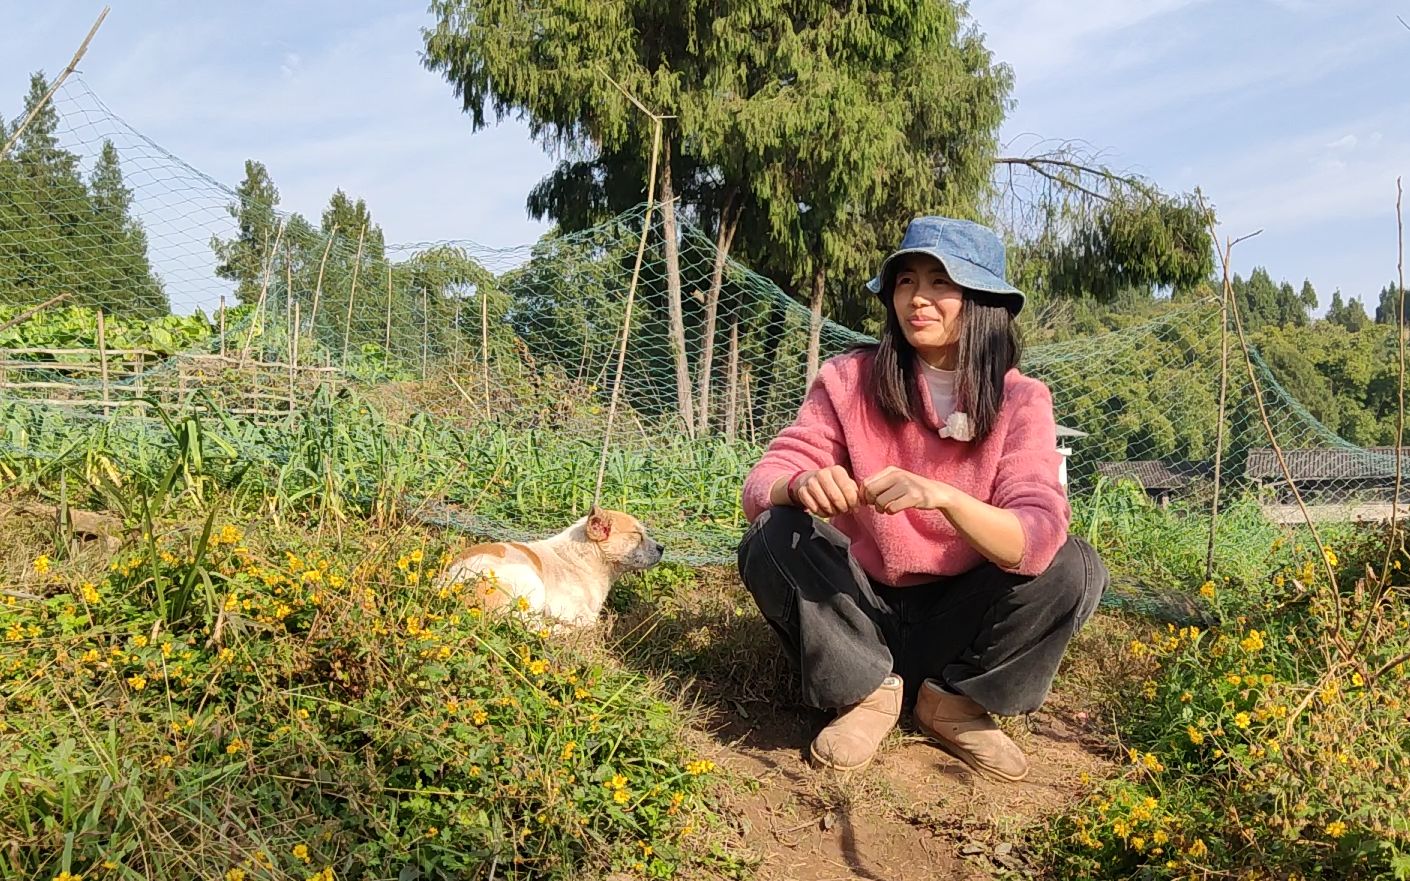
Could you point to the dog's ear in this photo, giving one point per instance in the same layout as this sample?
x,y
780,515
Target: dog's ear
x,y
599,525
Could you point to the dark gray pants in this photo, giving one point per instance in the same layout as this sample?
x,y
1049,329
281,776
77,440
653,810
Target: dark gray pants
x,y
989,634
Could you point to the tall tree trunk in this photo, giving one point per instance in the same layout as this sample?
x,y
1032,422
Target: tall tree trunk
x,y
723,240
815,304
684,399
759,394
732,384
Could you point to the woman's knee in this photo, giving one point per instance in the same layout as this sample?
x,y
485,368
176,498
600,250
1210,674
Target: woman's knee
x,y
1078,573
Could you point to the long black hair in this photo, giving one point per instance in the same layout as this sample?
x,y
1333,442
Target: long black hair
x,y
989,347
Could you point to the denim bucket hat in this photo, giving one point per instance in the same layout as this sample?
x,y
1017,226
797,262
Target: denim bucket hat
x,y
971,253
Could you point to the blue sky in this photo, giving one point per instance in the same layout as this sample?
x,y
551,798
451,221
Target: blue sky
x,y
1292,115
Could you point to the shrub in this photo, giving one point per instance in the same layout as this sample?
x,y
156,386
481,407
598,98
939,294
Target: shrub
x,y
1264,745
315,718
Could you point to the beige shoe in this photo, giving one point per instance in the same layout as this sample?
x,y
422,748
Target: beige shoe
x,y
963,729
850,740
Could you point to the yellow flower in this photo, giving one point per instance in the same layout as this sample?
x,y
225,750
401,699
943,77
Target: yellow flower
x,y
417,556
89,593
701,766
521,604
480,717
235,746
235,875
1196,737
1330,555
621,796
1197,849
1336,829
67,876
137,681
538,668
1241,720
301,852
41,566
1206,590
617,782
568,750
1253,642
1356,680
1233,679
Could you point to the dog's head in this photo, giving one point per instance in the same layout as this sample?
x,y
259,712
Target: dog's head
x,y
622,540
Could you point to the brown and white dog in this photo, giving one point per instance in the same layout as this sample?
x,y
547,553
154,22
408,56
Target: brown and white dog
x,y
565,577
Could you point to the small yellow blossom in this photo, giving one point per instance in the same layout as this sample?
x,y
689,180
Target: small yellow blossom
x,y
1336,829
1196,736
538,668
89,593
301,852
568,748
621,796
480,717
1253,642
1241,720
1206,590
41,567
137,681
1197,849
521,604
700,766
236,874
235,746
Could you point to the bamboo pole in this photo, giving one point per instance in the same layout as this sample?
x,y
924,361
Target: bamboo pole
x,y
58,81
293,357
318,285
425,332
352,295
387,340
103,357
222,325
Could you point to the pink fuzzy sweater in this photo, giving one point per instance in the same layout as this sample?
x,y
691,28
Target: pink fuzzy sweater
x,y
1015,468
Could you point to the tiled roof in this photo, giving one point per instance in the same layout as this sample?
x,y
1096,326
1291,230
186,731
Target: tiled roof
x,y
1327,464
1152,473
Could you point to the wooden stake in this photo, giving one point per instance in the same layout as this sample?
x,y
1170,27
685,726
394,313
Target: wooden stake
x,y
352,295
103,357
425,332
318,285
264,288
387,341
485,342
293,357
58,81
222,325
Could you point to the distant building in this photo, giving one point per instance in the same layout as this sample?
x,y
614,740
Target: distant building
x,y
1161,480
1329,475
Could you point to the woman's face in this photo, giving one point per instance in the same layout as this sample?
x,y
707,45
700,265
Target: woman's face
x,y
928,307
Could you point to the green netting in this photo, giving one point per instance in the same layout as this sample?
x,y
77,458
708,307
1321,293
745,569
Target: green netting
x,y
477,378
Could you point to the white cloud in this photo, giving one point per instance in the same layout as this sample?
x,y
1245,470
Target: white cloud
x,y
1345,142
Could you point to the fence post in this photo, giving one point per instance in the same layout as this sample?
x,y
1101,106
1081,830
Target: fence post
x,y
103,358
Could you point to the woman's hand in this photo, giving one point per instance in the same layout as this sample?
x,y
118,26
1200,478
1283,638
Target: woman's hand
x,y
893,490
826,492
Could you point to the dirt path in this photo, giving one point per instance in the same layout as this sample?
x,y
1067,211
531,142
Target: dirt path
x,y
914,813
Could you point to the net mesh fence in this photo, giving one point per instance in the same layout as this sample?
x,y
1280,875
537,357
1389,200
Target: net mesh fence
x,y
473,382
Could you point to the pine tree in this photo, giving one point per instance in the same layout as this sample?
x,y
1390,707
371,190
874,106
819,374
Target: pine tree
x,y
245,258
119,253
